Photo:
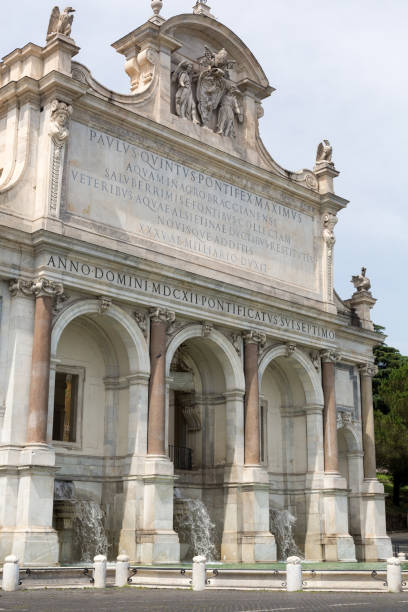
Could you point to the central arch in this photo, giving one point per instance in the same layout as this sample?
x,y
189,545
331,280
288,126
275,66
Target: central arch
x,y
291,407
205,414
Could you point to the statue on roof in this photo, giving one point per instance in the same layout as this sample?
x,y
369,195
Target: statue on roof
x,y
324,152
212,82
60,23
361,282
185,104
229,108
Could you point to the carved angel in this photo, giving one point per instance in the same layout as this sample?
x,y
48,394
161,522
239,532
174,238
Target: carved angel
x,y
361,282
228,110
60,23
185,103
324,152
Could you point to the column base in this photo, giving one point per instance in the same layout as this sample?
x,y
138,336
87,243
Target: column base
x,y
258,548
257,544
36,547
159,547
374,544
339,548
338,545
374,549
159,543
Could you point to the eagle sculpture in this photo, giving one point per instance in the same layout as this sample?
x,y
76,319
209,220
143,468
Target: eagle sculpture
x,y
60,23
324,152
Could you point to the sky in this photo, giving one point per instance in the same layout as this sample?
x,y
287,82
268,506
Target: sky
x,y
340,72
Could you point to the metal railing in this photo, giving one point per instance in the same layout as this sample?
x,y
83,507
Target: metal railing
x,y
182,457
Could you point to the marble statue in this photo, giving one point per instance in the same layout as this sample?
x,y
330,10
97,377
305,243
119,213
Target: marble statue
x,y
229,108
60,23
324,152
212,83
361,282
185,104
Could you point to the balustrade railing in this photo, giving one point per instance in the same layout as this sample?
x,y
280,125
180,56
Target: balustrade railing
x,y
182,457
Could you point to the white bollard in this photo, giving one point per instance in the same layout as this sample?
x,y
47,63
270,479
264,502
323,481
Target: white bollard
x,y
394,580
294,574
11,574
402,556
199,573
122,571
99,572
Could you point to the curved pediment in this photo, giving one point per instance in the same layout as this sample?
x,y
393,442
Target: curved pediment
x,y
197,31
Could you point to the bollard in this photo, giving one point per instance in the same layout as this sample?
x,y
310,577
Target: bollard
x,y
122,571
99,572
394,575
294,574
199,573
402,556
11,574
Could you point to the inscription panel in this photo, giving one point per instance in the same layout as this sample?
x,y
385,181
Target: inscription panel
x,y
131,284
124,186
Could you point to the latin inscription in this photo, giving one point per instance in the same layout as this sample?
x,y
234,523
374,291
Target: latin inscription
x,y
122,185
130,282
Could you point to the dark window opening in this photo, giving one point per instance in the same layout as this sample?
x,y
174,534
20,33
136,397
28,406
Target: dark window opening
x,y
65,407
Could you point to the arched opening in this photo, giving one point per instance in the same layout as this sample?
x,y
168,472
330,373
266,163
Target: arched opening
x,y
204,432
350,467
289,388
92,424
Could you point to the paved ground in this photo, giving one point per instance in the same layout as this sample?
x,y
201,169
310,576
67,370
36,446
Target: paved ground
x,y
141,600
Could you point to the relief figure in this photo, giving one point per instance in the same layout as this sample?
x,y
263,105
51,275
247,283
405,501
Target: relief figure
x,y
229,108
185,103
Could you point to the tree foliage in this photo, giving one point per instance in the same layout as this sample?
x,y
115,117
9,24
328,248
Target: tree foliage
x,y
391,419
388,359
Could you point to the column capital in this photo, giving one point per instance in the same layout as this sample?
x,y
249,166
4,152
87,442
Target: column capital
x,y
19,287
330,356
254,337
368,369
162,314
38,287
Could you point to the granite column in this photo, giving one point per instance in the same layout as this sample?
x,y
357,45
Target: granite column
x,y
367,371
252,340
329,416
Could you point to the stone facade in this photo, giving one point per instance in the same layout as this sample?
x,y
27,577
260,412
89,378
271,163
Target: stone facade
x,y
168,316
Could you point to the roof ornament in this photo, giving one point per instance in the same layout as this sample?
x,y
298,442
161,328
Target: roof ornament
x,y
157,6
60,23
201,8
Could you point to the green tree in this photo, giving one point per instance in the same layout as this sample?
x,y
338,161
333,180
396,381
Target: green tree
x,y
388,359
392,425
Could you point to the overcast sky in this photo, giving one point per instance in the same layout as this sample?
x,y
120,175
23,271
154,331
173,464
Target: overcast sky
x,y
340,70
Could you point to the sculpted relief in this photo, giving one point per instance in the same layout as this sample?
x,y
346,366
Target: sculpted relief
x,y
208,93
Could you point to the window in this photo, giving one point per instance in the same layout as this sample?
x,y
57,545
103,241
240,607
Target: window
x,y
65,407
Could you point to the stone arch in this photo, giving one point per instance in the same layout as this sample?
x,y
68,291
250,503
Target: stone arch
x,y
304,368
127,328
351,438
227,355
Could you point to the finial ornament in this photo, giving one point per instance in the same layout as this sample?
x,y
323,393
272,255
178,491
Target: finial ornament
x,y
201,8
60,23
157,6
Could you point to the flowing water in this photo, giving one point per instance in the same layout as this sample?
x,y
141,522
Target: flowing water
x,y
195,527
282,523
87,537
89,531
